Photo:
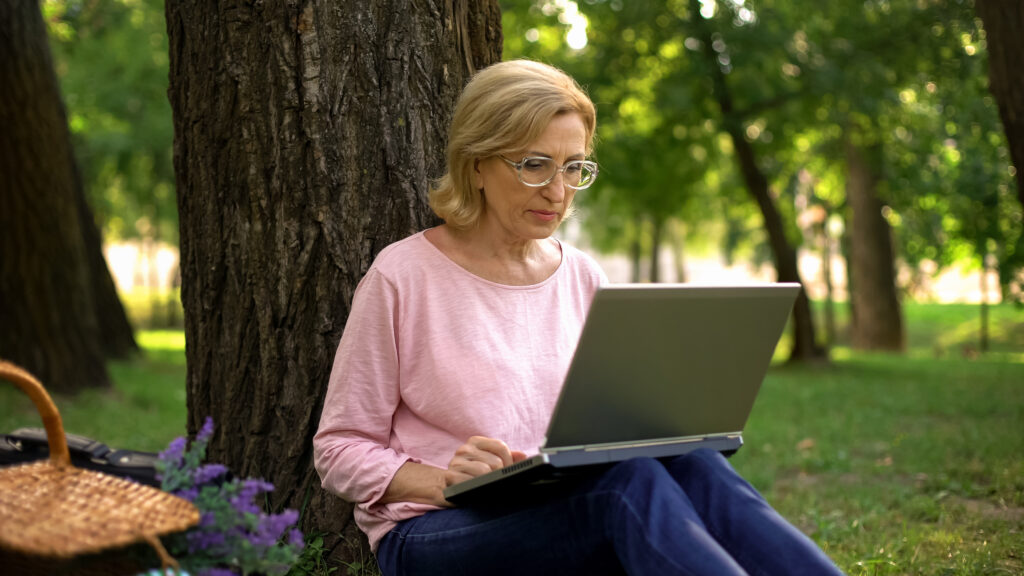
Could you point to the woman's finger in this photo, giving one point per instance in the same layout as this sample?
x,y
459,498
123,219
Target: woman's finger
x,y
493,446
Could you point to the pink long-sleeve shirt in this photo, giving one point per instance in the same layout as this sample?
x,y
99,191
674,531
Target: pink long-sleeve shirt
x,y
431,355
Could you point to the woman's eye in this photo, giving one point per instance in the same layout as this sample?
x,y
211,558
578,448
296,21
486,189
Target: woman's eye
x,y
534,164
574,168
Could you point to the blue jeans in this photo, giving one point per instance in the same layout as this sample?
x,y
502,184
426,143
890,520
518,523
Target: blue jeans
x,y
689,515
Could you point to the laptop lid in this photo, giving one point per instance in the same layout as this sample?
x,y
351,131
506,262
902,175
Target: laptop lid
x,y
666,361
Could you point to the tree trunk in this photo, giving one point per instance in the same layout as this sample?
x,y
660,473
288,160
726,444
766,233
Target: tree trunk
x,y
877,320
805,346
47,311
1004,36
830,296
117,338
677,238
305,134
635,251
657,231
983,333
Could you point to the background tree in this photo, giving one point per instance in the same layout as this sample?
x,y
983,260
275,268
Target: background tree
x,y
1004,27
305,135
868,110
111,61
60,314
663,76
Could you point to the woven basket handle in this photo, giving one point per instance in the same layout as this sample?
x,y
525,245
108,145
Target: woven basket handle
x,y
59,455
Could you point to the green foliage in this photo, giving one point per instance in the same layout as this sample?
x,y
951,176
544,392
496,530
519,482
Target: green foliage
x,y
112,62
904,78
313,560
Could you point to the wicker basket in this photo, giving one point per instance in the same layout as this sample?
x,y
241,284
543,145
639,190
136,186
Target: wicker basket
x,y
56,518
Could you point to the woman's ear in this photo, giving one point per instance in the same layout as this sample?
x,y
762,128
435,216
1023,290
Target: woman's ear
x,y
478,178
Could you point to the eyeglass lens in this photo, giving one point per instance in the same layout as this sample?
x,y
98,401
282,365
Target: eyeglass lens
x,y
538,171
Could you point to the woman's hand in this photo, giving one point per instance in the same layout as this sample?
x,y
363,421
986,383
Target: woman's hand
x,y
478,456
425,484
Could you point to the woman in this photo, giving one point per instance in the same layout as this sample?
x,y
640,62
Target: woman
x,y
452,360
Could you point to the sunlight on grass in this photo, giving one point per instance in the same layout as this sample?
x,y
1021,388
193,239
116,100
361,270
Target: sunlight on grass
x,y
161,339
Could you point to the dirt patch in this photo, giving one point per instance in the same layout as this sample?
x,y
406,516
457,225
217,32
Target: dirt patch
x,y
795,481
989,510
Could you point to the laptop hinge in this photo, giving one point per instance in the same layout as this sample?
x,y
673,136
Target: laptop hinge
x,y
637,444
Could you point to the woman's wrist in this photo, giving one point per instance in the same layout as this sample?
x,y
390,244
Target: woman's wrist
x,y
415,482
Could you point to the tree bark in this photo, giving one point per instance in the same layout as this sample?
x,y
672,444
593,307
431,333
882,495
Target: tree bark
x,y
636,251
1004,35
47,306
877,320
305,134
805,346
657,232
677,238
830,298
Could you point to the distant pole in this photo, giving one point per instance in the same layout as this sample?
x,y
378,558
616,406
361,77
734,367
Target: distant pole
x,y
826,271
983,345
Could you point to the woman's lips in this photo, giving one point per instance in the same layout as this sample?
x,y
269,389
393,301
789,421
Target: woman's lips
x,y
544,215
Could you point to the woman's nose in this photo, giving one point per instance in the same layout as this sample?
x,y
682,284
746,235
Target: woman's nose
x,y
554,191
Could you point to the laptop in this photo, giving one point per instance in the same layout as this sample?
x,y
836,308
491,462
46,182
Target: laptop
x,y
659,370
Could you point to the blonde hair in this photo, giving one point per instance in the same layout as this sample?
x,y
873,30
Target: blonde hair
x,y
503,108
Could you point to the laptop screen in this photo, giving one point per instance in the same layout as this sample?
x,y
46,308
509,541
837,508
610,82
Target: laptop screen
x,y
661,361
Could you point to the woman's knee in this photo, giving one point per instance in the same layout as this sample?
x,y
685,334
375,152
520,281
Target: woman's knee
x,y
702,462
637,484
632,471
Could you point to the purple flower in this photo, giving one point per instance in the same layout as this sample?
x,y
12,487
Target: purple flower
x,y
209,472
174,453
189,494
271,528
199,540
233,529
251,488
288,518
206,432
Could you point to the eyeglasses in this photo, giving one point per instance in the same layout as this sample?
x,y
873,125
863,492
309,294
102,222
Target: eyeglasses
x,y
537,171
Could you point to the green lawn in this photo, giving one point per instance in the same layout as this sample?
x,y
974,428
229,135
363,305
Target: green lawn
x,y
907,464
897,466
144,410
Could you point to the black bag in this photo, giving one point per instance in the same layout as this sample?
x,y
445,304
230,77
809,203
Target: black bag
x,y
30,444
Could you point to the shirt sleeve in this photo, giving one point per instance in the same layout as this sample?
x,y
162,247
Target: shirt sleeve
x,y
351,449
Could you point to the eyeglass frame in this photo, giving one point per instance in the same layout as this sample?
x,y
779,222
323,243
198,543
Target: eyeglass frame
x,y
558,170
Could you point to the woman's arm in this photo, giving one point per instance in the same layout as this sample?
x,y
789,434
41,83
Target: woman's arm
x,y
415,482
351,447
425,484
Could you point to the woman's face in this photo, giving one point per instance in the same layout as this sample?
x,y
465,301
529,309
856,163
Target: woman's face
x,y
519,212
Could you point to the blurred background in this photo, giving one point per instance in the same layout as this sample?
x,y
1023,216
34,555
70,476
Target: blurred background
x,y
829,107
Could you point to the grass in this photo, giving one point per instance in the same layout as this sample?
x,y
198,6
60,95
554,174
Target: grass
x,y
895,465
144,410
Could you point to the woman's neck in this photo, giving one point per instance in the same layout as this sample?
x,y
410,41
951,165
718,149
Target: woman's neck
x,y
518,262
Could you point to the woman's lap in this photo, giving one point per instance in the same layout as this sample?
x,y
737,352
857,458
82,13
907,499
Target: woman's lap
x,y
691,515
494,540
